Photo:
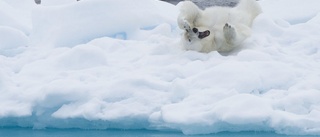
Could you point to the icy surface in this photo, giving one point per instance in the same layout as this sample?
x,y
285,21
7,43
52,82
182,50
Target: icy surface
x,y
99,64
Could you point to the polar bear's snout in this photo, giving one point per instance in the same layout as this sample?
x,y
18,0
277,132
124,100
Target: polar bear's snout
x,y
201,35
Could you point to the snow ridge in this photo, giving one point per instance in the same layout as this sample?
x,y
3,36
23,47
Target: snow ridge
x,y
103,64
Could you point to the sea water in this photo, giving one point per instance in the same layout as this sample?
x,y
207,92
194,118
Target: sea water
x,y
27,132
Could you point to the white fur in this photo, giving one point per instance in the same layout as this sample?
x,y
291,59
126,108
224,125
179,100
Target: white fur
x,y
228,27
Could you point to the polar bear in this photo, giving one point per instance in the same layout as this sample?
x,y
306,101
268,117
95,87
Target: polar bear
x,y
216,28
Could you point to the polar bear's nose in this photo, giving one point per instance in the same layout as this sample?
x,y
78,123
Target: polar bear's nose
x,y
204,34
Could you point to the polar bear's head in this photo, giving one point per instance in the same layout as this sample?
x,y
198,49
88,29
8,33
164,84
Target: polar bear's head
x,y
199,39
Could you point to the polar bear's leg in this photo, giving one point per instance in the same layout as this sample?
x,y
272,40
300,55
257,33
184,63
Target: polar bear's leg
x,y
229,33
235,34
189,12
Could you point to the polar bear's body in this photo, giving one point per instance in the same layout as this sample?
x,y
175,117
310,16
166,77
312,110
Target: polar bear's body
x,y
216,28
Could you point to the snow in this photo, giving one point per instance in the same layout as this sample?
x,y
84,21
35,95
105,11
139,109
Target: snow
x,y
95,23
295,11
103,64
11,40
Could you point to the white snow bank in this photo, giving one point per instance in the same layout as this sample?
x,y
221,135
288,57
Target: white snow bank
x,y
11,41
293,11
16,14
132,73
80,22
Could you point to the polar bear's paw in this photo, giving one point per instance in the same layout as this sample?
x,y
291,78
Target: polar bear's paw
x,y
229,33
186,26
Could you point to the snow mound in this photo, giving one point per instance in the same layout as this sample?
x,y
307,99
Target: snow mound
x,y
295,11
11,40
77,22
100,64
16,14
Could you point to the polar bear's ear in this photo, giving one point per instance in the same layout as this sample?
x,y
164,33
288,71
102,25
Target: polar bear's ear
x,y
204,34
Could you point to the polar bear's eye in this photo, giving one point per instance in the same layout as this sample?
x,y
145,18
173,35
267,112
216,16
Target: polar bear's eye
x,y
195,30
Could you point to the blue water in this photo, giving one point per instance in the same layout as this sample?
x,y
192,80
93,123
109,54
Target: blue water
x,y
27,132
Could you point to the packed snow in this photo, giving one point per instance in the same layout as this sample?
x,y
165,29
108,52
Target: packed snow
x,y
100,64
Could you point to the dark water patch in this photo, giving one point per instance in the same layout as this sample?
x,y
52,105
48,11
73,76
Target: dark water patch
x,y
29,132
208,3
